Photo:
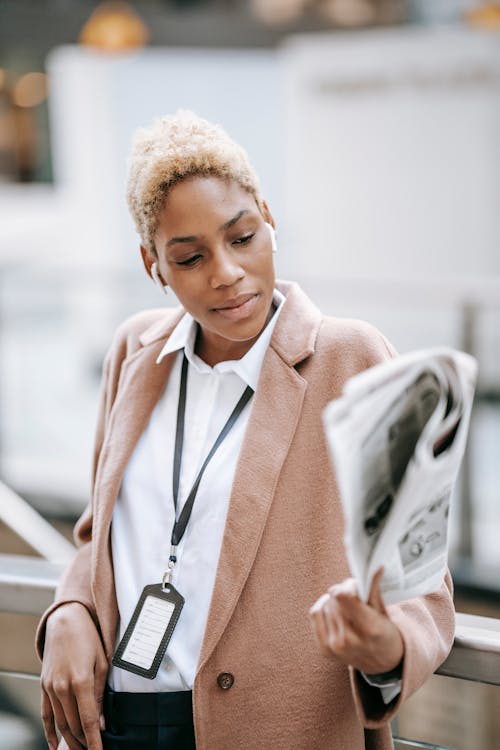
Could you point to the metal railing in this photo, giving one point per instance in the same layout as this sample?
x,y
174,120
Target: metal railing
x,y
400,744
27,586
32,528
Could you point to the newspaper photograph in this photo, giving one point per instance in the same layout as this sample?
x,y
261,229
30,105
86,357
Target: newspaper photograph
x,y
397,437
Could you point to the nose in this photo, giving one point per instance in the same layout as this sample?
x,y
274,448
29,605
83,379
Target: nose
x,y
225,270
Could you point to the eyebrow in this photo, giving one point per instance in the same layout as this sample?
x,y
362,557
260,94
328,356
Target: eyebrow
x,y
234,219
193,237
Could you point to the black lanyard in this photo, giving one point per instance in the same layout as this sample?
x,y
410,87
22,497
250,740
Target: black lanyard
x,y
182,522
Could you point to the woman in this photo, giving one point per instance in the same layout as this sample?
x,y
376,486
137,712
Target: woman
x,y
212,487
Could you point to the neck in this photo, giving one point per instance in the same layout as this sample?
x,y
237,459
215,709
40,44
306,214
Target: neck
x,y
213,349
212,352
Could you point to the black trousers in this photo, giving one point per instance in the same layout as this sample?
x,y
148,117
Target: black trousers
x,y
148,721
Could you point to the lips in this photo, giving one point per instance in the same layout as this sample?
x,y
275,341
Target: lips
x,y
230,304
238,308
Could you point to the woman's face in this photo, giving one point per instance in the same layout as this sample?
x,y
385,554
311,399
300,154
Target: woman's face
x,y
214,250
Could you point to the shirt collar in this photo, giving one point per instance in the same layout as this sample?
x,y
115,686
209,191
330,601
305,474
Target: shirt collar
x,y
248,367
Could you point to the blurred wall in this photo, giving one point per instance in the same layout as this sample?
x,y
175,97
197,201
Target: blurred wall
x,y
394,153
97,102
379,156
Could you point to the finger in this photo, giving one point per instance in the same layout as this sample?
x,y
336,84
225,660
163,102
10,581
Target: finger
x,y
318,624
375,599
48,721
89,714
334,623
63,724
101,673
317,606
348,606
66,695
360,621
348,587
343,639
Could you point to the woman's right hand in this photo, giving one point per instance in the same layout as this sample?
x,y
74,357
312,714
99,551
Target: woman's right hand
x,y
73,679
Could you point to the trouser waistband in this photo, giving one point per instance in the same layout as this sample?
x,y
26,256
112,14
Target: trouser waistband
x,y
145,709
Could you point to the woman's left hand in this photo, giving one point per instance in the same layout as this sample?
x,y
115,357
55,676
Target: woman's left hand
x,y
359,634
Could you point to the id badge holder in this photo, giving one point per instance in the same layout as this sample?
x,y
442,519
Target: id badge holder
x,y
148,633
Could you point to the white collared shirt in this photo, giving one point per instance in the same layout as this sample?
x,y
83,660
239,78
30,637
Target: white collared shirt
x,y
143,515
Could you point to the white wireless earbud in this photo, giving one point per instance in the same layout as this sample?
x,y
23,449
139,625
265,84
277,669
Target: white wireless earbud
x,y
273,237
156,278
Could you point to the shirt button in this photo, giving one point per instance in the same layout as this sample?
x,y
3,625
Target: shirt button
x,y
225,680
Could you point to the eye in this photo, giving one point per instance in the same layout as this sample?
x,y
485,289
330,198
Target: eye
x,y
244,240
189,261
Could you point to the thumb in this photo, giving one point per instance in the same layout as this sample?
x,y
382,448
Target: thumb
x,y
375,599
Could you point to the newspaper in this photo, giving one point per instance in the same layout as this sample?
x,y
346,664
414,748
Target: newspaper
x,y
397,436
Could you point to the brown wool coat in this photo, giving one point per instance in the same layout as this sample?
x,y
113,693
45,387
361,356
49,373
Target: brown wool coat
x,y
282,545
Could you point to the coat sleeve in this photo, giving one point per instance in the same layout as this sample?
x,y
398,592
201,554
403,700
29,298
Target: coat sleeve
x,y
427,626
75,584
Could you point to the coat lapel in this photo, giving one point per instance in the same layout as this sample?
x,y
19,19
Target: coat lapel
x,y
272,424
141,384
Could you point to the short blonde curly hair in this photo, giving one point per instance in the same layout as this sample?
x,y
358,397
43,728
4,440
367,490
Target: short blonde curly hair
x,y
176,147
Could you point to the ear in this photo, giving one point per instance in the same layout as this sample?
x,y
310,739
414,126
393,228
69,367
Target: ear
x,y
148,259
266,213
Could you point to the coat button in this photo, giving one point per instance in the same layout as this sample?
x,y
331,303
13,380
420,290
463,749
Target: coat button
x,y
225,680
